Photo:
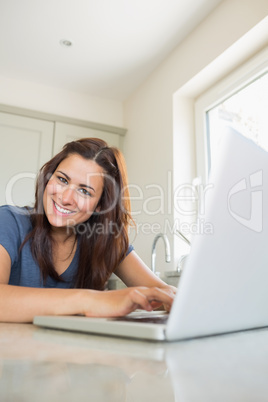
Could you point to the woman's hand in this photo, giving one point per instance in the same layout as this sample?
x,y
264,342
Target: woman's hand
x,y
171,290
134,272
117,303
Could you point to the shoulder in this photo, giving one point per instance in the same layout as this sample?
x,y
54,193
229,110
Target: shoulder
x,y
11,216
15,224
17,212
130,248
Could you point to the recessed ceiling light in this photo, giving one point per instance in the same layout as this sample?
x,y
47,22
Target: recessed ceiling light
x,y
66,43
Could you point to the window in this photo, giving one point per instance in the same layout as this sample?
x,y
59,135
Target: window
x,y
246,111
240,101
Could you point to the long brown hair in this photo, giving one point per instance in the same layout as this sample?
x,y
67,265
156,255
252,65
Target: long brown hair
x,y
103,238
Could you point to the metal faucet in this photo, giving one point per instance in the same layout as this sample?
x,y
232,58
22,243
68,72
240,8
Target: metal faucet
x,y
181,261
167,249
184,256
182,237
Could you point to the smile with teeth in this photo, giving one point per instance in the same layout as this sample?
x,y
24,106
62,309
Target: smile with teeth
x,y
62,210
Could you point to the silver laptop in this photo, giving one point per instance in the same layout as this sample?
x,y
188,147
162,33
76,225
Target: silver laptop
x,y
224,285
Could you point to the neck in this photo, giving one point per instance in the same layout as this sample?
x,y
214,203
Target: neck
x,y
62,235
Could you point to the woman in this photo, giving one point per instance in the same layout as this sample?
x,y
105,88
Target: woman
x,y
57,257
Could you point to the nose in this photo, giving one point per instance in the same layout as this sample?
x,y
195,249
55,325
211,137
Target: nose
x,y
68,196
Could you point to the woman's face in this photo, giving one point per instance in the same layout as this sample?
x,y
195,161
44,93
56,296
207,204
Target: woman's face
x,y
73,191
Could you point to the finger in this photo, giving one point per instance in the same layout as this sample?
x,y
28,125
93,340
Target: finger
x,y
159,295
156,305
170,289
166,307
138,297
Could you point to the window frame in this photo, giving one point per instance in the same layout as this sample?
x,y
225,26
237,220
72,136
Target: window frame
x,y
228,86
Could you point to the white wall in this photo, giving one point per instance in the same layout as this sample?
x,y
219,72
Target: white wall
x,y
61,102
161,107
150,120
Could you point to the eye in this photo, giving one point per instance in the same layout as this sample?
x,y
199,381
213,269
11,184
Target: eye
x,y
62,179
85,192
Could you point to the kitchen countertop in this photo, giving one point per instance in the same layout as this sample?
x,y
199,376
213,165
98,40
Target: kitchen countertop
x,y
39,365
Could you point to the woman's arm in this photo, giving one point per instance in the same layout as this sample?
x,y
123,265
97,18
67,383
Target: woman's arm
x,y
134,272
21,304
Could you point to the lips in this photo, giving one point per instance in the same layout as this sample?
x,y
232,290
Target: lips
x,y
62,210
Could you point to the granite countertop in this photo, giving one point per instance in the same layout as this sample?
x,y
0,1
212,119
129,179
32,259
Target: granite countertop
x,y
39,365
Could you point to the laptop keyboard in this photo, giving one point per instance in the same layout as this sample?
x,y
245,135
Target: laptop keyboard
x,y
160,319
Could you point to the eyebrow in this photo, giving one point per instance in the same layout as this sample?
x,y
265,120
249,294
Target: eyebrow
x,y
80,185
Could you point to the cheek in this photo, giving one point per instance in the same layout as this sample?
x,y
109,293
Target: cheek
x,y
52,188
87,206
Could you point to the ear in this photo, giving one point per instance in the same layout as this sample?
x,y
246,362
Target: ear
x,y
98,208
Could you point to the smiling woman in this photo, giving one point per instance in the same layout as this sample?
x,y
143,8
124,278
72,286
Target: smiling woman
x,y
67,201
54,257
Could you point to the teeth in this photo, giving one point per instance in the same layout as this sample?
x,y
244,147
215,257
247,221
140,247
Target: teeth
x,y
62,210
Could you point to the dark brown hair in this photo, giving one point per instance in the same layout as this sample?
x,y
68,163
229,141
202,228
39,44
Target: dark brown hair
x,y
103,239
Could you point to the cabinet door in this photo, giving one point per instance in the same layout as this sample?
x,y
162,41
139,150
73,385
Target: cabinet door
x,y
67,132
25,145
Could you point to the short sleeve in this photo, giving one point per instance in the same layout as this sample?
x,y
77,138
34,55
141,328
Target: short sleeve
x,y
130,248
11,235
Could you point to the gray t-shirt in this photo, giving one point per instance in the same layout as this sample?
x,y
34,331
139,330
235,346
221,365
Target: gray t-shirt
x,y
15,224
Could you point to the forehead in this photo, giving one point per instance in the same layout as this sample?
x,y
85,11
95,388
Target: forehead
x,y
81,169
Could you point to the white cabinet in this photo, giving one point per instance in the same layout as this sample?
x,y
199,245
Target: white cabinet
x,y
69,132
25,145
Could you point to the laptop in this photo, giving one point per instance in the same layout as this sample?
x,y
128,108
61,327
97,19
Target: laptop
x,y
224,284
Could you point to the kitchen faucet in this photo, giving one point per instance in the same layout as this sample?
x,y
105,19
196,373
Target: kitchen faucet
x,y
184,256
167,249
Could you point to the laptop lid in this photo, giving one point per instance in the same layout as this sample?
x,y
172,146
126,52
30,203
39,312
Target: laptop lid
x,y
224,286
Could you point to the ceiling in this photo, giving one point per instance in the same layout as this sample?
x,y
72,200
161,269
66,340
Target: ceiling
x,y
116,44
